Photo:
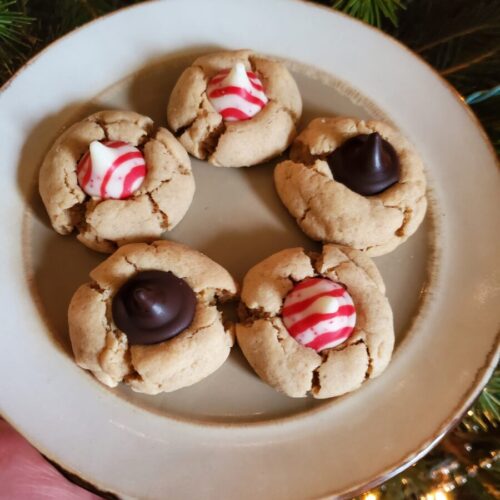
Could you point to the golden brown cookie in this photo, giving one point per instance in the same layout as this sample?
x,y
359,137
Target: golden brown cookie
x,y
156,206
277,352
204,132
183,359
328,211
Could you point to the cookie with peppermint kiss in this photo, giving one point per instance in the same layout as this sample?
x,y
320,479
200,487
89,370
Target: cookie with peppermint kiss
x,y
235,108
313,324
114,180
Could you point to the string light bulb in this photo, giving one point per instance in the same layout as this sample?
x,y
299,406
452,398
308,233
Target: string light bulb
x,y
436,495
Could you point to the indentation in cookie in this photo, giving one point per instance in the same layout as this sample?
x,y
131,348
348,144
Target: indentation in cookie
x,y
77,215
342,370
156,210
209,143
407,214
88,235
300,152
370,361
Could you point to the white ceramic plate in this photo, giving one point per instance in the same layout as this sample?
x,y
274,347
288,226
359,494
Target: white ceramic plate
x,y
231,436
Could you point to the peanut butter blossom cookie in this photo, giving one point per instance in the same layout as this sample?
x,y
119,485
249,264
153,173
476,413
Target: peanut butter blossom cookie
x,y
316,324
151,318
114,179
235,108
353,182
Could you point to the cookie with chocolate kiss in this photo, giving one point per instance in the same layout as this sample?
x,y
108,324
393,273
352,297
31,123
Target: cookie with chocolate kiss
x,y
353,182
165,330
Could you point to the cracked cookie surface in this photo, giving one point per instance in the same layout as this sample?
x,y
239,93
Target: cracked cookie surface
x,y
99,346
287,365
203,132
330,212
157,206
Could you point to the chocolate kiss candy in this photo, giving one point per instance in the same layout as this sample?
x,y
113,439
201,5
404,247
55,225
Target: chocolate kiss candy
x,y
366,164
153,306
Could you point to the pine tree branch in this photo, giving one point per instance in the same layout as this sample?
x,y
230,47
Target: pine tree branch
x,y
450,70
459,38
13,36
485,413
90,9
371,11
453,36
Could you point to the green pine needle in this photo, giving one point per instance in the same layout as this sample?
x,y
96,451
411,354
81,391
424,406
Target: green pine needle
x,y
12,22
26,26
13,34
371,11
485,413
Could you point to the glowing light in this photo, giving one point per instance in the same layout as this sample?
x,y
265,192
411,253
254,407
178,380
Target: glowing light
x,y
370,496
436,495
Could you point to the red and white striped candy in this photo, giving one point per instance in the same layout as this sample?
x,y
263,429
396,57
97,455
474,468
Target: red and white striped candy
x,y
319,313
111,169
236,94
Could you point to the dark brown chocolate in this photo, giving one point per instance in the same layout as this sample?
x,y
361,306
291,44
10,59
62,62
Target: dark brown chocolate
x,y
153,306
366,164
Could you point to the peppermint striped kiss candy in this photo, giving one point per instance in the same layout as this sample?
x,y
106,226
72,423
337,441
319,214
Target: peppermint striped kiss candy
x,y
236,94
319,313
111,169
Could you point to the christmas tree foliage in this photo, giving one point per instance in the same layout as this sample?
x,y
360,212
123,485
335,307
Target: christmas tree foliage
x,y
461,39
371,11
